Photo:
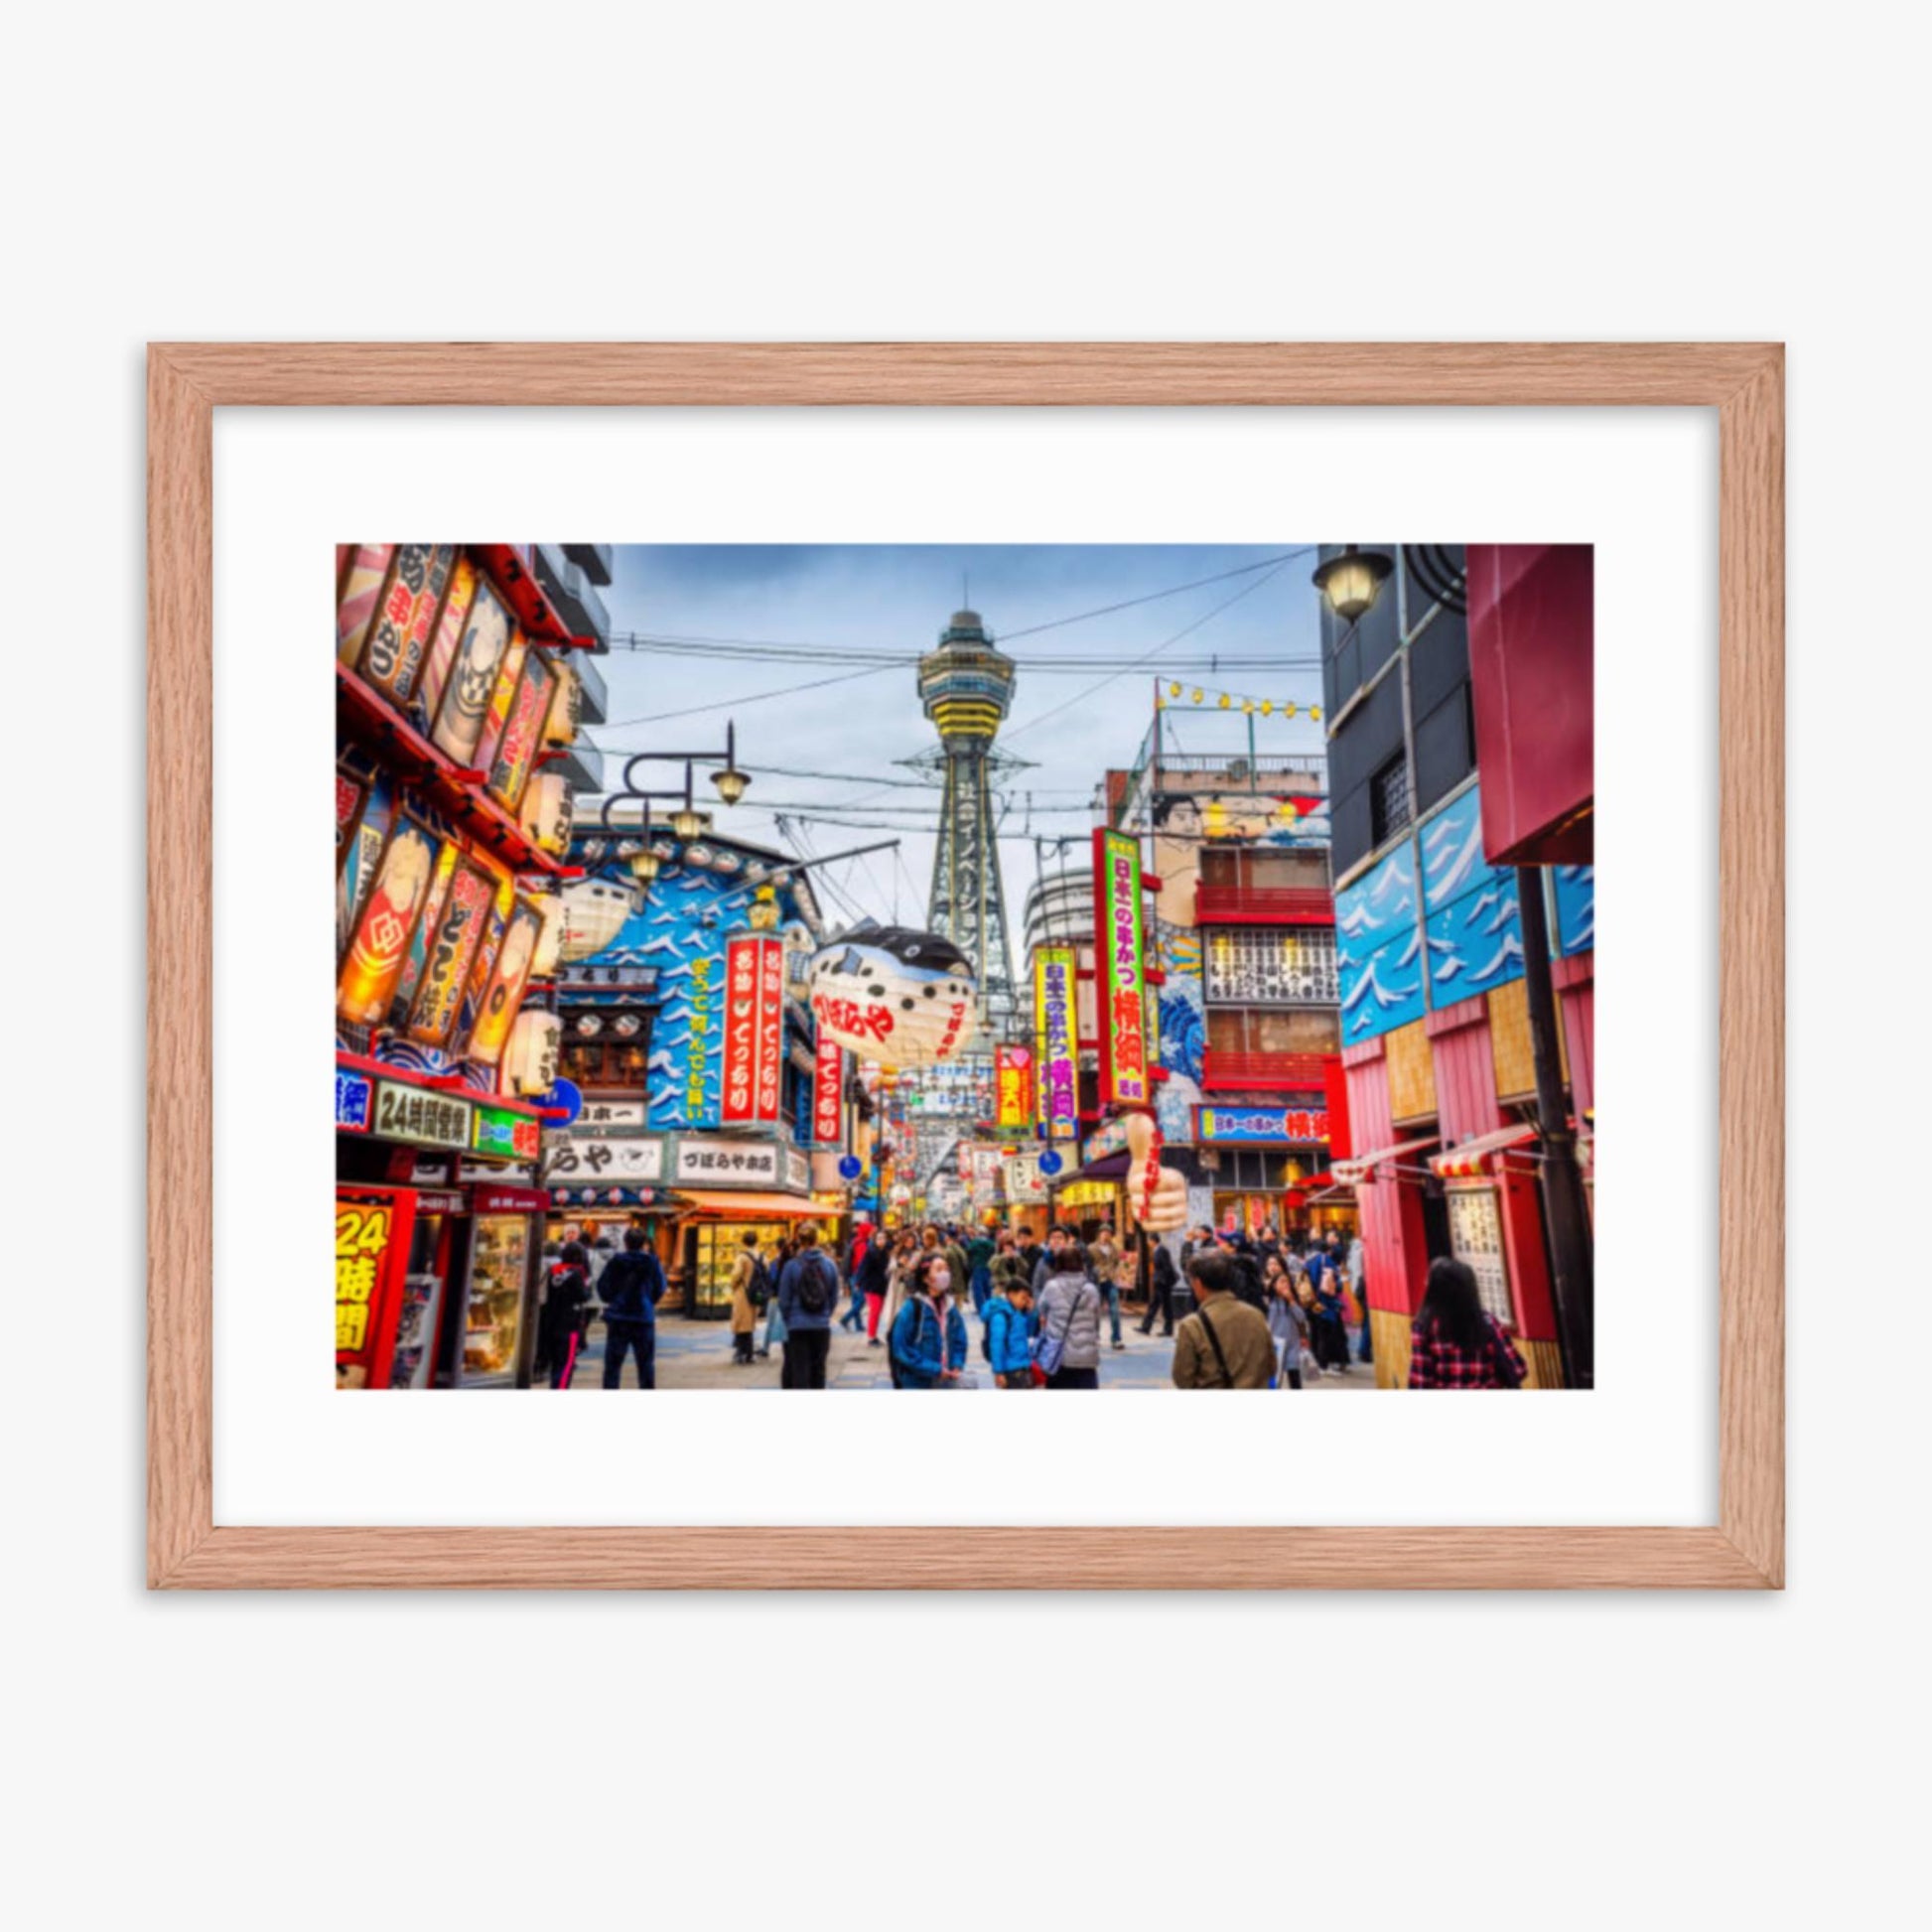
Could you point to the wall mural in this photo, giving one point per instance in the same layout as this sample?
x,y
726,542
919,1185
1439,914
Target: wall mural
x,y
680,930
1472,923
1378,948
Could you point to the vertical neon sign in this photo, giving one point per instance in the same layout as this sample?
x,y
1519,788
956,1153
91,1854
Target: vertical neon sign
x,y
1121,966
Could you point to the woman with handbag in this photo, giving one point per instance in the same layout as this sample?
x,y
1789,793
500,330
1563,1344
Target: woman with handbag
x,y
1068,1325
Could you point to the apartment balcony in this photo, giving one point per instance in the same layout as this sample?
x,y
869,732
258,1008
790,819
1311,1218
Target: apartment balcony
x,y
1263,906
1227,1072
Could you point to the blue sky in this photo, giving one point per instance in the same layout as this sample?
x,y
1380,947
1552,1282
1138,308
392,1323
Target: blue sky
x,y
899,597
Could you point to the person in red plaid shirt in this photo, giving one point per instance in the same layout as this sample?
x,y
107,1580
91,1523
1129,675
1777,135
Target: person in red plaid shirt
x,y
1455,1343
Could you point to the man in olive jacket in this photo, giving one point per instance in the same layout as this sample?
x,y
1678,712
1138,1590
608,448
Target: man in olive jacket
x,y
1224,1343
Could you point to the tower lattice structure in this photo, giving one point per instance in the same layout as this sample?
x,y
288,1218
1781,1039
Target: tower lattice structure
x,y
966,686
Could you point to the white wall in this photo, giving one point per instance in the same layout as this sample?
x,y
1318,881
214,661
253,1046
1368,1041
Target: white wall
x,y
1006,171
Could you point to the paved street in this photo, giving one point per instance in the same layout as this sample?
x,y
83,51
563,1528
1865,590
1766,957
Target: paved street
x,y
698,1356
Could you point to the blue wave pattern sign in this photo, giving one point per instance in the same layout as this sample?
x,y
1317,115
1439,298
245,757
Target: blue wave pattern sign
x,y
1471,924
1378,948
1575,909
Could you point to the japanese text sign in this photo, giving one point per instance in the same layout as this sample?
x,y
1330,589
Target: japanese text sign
x,y
1120,957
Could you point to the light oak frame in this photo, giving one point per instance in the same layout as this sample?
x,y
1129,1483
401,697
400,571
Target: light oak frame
x,y
1742,381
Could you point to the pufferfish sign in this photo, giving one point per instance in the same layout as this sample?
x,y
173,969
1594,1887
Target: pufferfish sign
x,y
897,996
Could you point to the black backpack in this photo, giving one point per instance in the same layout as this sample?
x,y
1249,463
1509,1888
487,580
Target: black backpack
x,y
759,1290
813,1295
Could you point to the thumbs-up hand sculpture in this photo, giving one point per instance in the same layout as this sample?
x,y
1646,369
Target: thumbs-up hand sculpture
x,y
1156,1196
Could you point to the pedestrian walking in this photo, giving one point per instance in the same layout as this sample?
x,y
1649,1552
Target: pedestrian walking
x,y
775,1321
1006,1340
1455,1342
979,1280
1329,1318
1067,1326
928,1337
561,1326
871,1279
854,1316
630,1288
1104,1260
747,1279
1163,1278
1224,1343
1288,1323
808,1291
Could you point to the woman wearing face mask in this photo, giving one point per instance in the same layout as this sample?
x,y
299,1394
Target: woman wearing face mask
x,y
928,1337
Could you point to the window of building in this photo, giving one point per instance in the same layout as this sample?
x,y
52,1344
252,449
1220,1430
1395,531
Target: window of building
x,y
1285,1030
1271,965
1389,800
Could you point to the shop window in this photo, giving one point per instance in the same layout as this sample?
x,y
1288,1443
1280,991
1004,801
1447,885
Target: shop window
x,y
1272,966
1475,1234
1260,1030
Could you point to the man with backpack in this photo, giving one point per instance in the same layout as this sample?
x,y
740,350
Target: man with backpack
x,y
808,1291
630,1288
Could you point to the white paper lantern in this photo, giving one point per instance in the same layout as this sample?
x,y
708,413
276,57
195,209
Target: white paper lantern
x,y
543,964
595,911
545,814
530,1061
895,996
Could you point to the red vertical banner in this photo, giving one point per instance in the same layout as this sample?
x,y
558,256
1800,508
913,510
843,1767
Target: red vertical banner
x,y
740,1031
828,1092
772,1028
1012,1075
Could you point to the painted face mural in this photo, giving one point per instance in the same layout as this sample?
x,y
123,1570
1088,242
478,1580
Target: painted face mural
x,y
459,725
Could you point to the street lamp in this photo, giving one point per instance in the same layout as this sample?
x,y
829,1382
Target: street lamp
x,y
1352,582
730,783
644,866
686,823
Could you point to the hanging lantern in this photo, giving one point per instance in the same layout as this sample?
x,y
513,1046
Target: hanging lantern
x,y
688,824
901,997
1314,713
1198,694
594,911
644,867
730,783
545,813
1247,704
530,1059
1267,707
1288,710
1173,690
566,711
550,941
1352,582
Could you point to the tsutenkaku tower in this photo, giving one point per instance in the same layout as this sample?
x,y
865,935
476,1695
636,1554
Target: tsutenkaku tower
x,y
966,686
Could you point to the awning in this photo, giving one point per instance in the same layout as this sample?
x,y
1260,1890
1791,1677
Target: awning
x,y
1472,1157
1362,1168
1110,1167
743,1205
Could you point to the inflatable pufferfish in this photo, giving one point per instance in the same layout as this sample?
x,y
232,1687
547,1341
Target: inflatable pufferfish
x,y
896,995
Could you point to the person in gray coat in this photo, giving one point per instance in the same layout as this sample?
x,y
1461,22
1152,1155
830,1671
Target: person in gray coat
x,y
1068,1310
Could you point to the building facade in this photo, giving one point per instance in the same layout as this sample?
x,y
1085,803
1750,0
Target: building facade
x,y
1444,817
461,687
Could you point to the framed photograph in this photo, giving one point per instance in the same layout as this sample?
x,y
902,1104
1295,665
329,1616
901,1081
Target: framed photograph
x,y
976,877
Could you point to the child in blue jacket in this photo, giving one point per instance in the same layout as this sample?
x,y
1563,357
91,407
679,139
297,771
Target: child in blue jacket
x,y
928,1337
1009,1340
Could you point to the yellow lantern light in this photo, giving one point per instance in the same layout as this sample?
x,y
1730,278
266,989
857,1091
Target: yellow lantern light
x,y
689,824
1352,582
530,1061
1314,713
1288,710
1247,704
644,866
1197,694
1173,690
1224,700
545,811
550,941
1267,707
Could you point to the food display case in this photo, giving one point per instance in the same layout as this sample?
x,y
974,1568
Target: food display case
x,y
496,1300
716,1248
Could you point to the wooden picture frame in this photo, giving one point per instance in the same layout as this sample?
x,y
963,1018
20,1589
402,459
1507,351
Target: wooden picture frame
x,y
1742,382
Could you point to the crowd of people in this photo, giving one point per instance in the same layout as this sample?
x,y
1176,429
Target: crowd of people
x,y
1257,1312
